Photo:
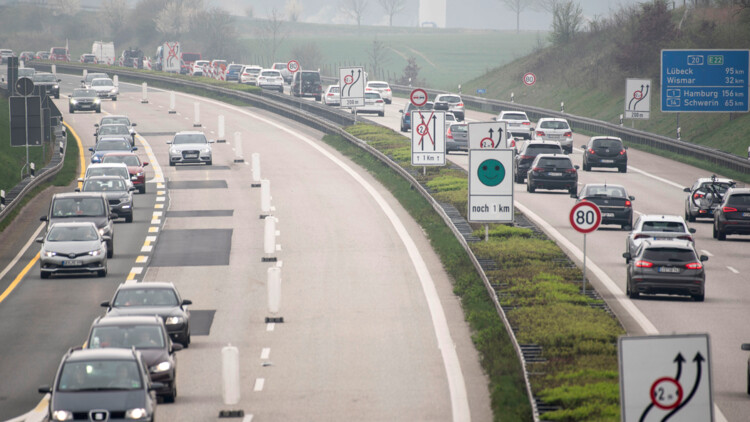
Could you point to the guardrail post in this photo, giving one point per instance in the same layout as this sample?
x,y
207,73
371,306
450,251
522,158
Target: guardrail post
x,y
265,196
562,106
621,120
2,199
230,374
32,170
256,170
512,97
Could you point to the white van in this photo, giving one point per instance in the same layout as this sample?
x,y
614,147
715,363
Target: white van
x,y
104,52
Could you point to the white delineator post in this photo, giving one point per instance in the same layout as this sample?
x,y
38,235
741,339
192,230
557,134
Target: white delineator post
x,y
269,235
230,374
54,69
274,293
222,138
144,93
116,81
197,114
256,169
172,102
238,156
265,196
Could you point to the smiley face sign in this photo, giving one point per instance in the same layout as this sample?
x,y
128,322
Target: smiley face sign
x,y
491,172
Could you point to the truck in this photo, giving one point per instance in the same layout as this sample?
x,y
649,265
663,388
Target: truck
x,y
104,52
132,55
167,57
187,60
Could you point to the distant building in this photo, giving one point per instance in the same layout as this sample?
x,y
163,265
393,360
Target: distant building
x,y
432,13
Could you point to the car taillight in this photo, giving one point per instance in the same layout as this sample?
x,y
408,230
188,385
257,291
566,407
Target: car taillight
x,y
329,95
698,195
641,236
449,134
591,151
570,170
537,169
568,134
694,266
622,152
512,143
540,133
407,114
387,90
628,204
460,105
728,209
686,237
527,123
644,264
526,157
368,89
378,101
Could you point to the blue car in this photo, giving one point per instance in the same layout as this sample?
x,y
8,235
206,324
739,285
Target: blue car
x,y
110,144
233,72
406,114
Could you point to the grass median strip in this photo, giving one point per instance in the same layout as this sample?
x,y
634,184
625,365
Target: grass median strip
x,y
573,368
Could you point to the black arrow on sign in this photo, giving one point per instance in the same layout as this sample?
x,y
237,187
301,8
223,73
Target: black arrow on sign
x,y
499,136
679,360
698,359
434,130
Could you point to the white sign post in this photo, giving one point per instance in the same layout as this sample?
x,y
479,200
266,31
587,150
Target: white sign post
x,y
352,83
585,217
637,98
427,138
491,185
293,66
665,378
488,135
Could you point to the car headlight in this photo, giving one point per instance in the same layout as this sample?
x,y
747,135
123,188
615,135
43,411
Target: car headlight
x,y
137,413
173,151
97,100
49,254
95,253
173,320
206,150
73,101
162,367
56,87
104,230
140,174
113,91
62,415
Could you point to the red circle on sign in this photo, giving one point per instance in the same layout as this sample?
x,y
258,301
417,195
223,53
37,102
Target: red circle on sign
x,y
529,79
418,97
422,129
292,66
654,399
348,79
585,226
638,95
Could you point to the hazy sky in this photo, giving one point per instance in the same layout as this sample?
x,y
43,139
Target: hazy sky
x,y
476,14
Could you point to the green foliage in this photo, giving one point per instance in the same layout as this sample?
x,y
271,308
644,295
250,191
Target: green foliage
x,y
504,231
448,183
591,402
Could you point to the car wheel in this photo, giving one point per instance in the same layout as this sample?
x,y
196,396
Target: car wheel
x,y
317,98
530,188
114,98
110,249
573,191
381,114
169,398
586,167
142,189
171,163
98,109
403,129
623,169
699,298
71,110
689,217
57,96
519,179
209,162
44,274
129,219
102,273
632,293
720,235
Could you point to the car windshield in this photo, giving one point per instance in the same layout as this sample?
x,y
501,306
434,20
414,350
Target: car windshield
x,y
334,90
453,99
669,254
145,297
104,185
44,78
610,191
561,163
234,68
554,124
72,233
115,121
739,200
114,130
59,51
270,74
663,226
379,85
84,93
77,207
113,145
607,143
190,139
127,336
514,116
101,82
459,128
98,375
536,149
91,76
310,77
129,160
372,96
107,171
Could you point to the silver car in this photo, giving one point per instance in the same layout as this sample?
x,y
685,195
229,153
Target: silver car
x,y
75,247
190,147
382,88
658,227
452,103
332,96
518,123
105,88
118,193
555,129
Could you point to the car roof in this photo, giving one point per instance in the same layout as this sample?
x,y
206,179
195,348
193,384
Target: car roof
x,y
662,217
127,320
548,155
593,138
743,191
542,142
553,119
117,153
684,244
147,285
77,194
97,165
118,116
72,224
717,180
377,82
99,79
113,138
106,353
190,132
102,177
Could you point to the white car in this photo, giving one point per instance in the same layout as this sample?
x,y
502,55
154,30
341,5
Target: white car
x,y
381,88
373,104
555,129
450,119
658,227
108,169
249,75
198,67
271,79
105,88
332,96
190,147
518,123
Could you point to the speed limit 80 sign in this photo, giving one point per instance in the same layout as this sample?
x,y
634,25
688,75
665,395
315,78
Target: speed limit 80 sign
x,y
585,217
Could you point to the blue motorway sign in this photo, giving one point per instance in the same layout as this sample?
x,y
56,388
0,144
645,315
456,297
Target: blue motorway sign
x,y
481,91
705,80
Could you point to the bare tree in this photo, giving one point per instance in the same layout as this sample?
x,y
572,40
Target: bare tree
x,y
66,7
377,55
215,28
518,6
354,8
567,19
293,10
392,7
549,5
271,35
113,15
309,56
176,17
249,11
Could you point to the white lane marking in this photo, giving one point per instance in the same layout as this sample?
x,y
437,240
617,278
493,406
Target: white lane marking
x,y
259,383
661,179
147,248
23,250
270,326
151,238
153,162
707,253
456,384
627,304
136,270
248,418
733,270
265,353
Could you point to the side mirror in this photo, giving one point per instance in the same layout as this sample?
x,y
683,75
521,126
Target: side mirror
x,y
59,80
135,148
583,146
631,197
104,304
145,163
169,142
576,167
80,179
494,119
70,95
155,386
44,389
131,189
211,141
106,238
134,124
91,149
176,347
401,111
82,81
627,255
745,346
43,218
39,239
626,147
187,302
113,215
96,124
704,258
691,230
686,190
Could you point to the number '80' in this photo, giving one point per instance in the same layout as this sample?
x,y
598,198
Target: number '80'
x,y
585,217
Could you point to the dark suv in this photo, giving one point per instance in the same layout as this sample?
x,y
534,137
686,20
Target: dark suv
x,y
552,171
605,151
83,206
406,114
146,334
102,385
311,85
527,154
665,266
733,215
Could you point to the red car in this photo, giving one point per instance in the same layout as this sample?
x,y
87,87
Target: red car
x,y
135,167
59,54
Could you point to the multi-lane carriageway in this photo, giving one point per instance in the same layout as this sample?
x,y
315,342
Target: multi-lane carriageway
x,y
360,338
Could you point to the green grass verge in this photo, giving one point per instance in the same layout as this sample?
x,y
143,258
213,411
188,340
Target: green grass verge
x,y
534,279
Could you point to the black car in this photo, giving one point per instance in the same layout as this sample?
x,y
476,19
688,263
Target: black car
x,y
457,138
706,195
552,171
310,85
49,81
605,151
613,201
406,114
527,154
102,385
733,215
665,266
83,206
146,334
154,298
84,99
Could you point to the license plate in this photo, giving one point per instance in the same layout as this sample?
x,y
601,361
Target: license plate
x,y
746,214
669,270
191,155
72,263
553,136
608,161
608,214
663,238
554,174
